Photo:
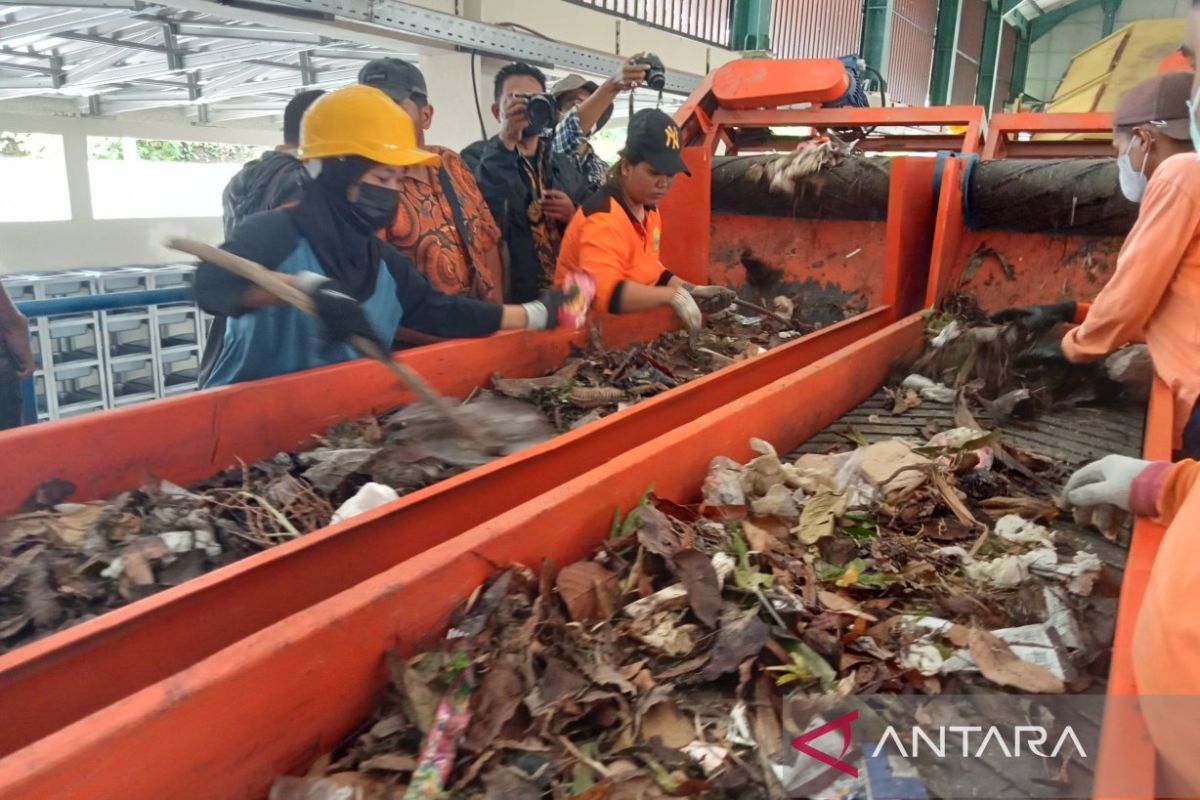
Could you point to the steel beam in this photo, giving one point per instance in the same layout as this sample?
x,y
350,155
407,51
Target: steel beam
x,y
993,29
1042,25
49,24
110,42
487,39
945,39
252,33
874,33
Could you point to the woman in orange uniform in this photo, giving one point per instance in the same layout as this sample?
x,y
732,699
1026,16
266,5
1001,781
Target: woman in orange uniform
x,y
1166,648
616,233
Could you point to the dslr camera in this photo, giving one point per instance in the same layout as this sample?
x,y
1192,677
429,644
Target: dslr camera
x,y
656,75
542,113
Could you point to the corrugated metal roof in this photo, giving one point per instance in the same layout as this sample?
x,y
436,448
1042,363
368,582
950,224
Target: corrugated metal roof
x,y
1030,10
116,56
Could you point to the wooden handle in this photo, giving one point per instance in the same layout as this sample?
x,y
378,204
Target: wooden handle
x,y
272,282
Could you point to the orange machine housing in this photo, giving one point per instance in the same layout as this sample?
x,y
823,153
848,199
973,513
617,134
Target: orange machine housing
x,y
186,438
271,700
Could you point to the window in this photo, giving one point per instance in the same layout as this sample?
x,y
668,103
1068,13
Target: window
x,y
34,174
156,178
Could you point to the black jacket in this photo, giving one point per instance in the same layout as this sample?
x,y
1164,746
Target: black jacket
x,y
508,192
262,185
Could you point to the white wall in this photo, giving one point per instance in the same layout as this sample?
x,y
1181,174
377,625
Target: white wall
x,y
87,242
1050,55
84,241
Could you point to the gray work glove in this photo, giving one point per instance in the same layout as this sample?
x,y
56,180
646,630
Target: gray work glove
x,y
711,299
1104,482
687,310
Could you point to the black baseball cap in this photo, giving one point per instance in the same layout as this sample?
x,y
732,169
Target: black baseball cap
x,y
1161,102
654,137
397,78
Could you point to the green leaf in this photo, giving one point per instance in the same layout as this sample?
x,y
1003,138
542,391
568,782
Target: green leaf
x,y
815,665
876,580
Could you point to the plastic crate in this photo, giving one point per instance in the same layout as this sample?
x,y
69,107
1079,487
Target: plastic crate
x,y
132,380
127,333
180,370
80,386
69,284
22,287
73,338
133,279
177,326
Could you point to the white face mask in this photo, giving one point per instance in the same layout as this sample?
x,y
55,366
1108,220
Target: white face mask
x,y
1133,183
1194,127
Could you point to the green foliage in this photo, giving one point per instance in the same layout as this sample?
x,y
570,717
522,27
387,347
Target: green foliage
x,y
21,145
110,148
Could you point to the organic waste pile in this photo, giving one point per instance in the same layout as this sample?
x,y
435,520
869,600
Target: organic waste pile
x,y
677,660
63,562
595,383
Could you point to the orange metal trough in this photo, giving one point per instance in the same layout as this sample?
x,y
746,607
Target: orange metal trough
x,y
1004,130
183,439
1127,756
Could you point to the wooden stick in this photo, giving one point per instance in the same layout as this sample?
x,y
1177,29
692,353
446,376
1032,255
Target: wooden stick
x,y
274,283
764,310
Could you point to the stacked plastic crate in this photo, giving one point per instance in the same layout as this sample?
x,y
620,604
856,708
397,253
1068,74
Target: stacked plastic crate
x,y
107,359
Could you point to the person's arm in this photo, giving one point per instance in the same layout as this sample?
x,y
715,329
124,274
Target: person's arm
x,y
498,175
14,330
1166,224
426,310
266,239
568,134
593,108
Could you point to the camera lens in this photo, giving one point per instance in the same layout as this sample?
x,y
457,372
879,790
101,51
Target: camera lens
x,y
656,79
542,112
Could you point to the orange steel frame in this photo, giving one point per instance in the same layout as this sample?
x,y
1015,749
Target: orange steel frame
x,y
1127,756
273,701
187,438
1003,129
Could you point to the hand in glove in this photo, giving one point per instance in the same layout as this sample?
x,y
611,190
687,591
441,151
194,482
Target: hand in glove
x,y
687,310
1045,353
711,299
1104,482
1038,320
542,314
342,317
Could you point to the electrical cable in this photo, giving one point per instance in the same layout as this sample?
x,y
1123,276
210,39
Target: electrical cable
x,y
475,90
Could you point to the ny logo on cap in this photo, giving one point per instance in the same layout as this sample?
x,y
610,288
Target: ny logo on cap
x,y
673,137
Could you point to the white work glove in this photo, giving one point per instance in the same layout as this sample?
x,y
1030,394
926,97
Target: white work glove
x,y
687,310
1104,482
711,299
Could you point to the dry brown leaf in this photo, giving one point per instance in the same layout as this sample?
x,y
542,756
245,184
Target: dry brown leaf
x,y
508,783
740,638
655,532
493,704
757,539
668,723
1026,507
589,590
137,557
699,578
819,516
390,762
1000,665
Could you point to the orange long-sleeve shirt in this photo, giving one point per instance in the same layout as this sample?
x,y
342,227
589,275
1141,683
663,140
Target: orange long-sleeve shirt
x,y
1154,294
607,240
1166,647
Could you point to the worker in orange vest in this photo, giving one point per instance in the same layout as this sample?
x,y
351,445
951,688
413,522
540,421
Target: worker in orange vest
x,y
616,234
1154,293
1166,651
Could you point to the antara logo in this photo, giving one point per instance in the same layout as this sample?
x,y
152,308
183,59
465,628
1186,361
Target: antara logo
x,y
1033,736
843,722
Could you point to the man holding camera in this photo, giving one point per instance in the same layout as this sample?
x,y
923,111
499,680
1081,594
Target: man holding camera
x,y
531,190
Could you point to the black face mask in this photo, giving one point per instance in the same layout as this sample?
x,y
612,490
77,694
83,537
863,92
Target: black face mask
x,y
375,207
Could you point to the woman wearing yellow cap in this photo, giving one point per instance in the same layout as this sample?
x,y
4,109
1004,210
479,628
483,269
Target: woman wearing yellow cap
x,y
354,142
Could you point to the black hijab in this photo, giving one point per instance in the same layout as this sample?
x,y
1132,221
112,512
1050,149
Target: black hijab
x,y
347,253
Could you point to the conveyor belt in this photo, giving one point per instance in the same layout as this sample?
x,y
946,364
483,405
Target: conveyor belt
x,y
1073,436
